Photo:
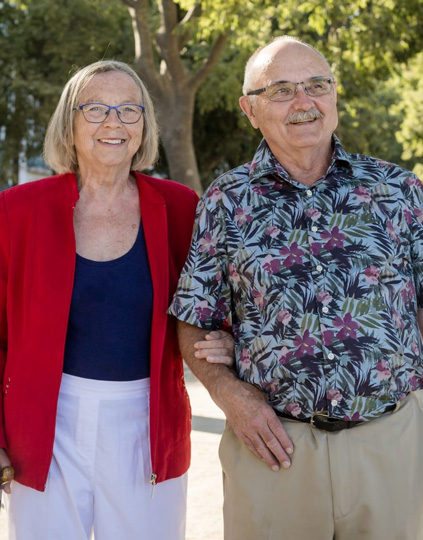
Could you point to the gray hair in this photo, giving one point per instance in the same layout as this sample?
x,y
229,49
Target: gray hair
x,y
59,151
248,73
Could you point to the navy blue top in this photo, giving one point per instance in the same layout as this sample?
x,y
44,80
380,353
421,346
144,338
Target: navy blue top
x,y
109,324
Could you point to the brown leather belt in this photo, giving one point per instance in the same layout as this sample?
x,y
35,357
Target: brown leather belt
x,y
321,420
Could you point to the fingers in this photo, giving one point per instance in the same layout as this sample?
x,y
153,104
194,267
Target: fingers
x,y
217,348
6,488
254,421
256,424
218,334
221,356
207,347
217,359
210,342
4,459
260,450
5,462
278,443
272,448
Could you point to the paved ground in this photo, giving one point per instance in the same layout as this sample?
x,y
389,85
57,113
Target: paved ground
x,y
204,520
205,498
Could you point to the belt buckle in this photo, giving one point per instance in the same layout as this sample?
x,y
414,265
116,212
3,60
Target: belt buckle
x,y
325,414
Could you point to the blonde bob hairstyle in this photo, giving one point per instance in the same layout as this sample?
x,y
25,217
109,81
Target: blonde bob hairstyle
x,y
59,150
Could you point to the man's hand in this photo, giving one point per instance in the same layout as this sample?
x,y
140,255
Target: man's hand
x,y
255,423
5,462
217,348
245,406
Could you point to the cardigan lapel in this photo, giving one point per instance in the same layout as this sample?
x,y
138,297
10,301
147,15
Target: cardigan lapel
x,y
154,222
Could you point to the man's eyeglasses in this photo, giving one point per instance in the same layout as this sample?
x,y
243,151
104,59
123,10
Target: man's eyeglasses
x,y
285,91
97,113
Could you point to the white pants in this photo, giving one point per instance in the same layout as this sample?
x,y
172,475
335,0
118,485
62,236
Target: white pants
x,y
99,480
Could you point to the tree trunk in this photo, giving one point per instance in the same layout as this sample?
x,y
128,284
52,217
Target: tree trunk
x,y
175,117
15,174
172,86
180,156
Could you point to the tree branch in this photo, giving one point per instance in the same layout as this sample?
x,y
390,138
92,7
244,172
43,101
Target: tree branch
x,y
211,61
168,41
144,52
130,3
195,11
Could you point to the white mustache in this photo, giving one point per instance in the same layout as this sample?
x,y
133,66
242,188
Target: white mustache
x,y
304,116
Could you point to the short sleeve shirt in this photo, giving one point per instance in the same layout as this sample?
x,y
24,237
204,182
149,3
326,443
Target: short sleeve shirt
x,y
322,284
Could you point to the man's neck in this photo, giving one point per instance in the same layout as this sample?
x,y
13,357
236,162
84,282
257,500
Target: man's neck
x,y
306,165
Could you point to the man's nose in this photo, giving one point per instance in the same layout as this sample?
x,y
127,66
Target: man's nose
x,y
302,99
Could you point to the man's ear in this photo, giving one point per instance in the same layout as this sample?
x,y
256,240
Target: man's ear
x,y
247,108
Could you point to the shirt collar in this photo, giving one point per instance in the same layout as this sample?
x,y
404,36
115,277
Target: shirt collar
x,y
264,163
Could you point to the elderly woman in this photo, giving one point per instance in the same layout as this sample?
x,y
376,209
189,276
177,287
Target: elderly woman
x,y
95,415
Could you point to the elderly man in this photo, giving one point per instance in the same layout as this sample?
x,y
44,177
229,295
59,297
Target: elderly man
x,y
317,257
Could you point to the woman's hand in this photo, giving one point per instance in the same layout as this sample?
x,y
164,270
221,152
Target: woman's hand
x,y
218,348
4,462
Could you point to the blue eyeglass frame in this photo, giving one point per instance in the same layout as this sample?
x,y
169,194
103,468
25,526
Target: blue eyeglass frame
x,y
110,107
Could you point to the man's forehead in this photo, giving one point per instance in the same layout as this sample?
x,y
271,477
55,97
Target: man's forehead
x,y
287,61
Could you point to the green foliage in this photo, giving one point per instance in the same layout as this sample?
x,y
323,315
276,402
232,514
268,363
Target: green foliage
x,y
373,47
13,121
367,42
46,40
410,108
368,123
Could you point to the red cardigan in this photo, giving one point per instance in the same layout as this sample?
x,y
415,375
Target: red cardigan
x,y
37,264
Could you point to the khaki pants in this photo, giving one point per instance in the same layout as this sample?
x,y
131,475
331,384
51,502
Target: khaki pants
x,y
365,483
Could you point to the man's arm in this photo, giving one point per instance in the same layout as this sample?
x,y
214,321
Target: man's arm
x,y
420,320
245,406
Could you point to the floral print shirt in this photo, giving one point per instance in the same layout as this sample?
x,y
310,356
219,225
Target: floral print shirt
x,y
322,284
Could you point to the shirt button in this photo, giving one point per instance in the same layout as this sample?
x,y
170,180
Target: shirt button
x,y
331,356
314,228
325,309
309,192
319,267
334,402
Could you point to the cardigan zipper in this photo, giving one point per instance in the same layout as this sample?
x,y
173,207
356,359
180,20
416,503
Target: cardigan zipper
x,y
64,343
